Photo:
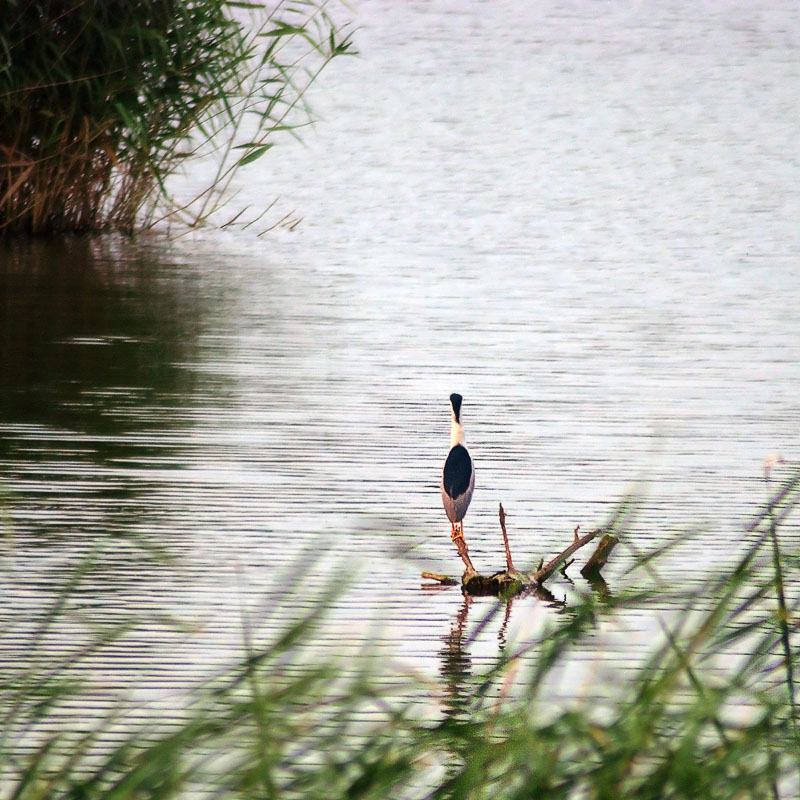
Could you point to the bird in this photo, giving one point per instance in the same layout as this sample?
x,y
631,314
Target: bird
x,y
458,474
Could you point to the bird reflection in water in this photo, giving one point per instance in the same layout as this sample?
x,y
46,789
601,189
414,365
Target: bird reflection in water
x,y
456,661
456,669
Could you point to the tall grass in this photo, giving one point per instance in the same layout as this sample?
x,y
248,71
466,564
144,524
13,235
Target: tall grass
x,y
102,100
709,713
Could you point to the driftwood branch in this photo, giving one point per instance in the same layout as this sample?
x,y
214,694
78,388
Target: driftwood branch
x,y
445,580
514,581
543,573
463,551
598,559
509,562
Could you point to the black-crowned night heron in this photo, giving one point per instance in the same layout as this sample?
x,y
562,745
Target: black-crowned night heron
x,y
458,475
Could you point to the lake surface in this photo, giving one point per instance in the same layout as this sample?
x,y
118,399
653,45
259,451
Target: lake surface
x,y
586,224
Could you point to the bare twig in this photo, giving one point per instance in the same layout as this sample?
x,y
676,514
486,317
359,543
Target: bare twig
x,y
443,579
543,573
509,562
463,551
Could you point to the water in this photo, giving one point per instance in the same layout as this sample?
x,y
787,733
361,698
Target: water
x,y
585,224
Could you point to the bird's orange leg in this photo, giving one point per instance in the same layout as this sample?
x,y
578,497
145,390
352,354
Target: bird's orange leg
x,y
461,545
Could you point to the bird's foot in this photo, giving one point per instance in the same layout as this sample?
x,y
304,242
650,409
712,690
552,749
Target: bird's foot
x,y
457,533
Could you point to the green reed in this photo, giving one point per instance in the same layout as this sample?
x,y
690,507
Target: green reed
x,y
709,713
102,100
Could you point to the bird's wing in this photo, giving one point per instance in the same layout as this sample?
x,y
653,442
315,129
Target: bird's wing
x,y
457,471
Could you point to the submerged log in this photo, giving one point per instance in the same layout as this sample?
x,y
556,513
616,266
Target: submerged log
x,y
512,581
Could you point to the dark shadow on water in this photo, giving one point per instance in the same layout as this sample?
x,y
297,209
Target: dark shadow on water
x,y
92,328
100,340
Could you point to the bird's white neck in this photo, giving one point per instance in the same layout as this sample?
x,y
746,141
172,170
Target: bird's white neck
x,y
456,432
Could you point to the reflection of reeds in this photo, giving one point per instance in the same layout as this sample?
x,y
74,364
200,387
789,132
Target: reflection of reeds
x,y
98,101
708,714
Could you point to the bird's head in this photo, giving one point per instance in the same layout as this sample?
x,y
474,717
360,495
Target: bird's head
x,y
455,402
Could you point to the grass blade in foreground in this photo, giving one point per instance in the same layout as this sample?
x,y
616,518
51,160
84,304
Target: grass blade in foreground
x,y
708,715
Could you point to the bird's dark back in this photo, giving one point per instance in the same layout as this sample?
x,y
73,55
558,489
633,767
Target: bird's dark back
x,y
457,471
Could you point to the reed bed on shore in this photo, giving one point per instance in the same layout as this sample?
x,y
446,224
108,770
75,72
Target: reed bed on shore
x,y
100,102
